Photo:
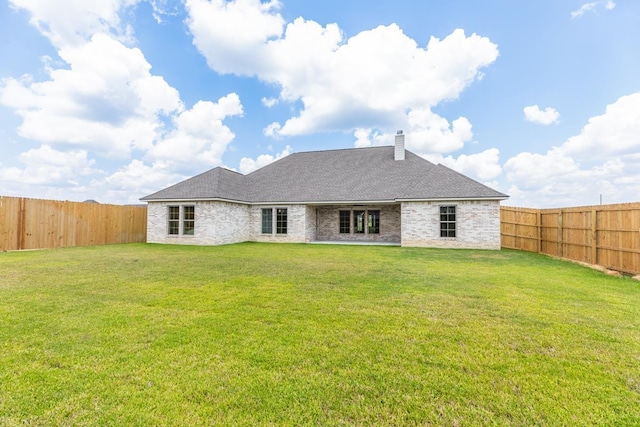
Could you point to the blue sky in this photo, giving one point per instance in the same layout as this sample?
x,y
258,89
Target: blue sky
x,y
115,99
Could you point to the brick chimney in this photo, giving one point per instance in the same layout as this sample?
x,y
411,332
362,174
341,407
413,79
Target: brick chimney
x,y
398,153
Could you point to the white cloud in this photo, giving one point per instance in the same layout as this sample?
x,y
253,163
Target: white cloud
x,y
269,102
272,130
370,137
108,102
248,165
101,98
229,30
481,166
47,166
591,6
72,22
135,180
602,159
199,135
584,8
362,138
534,114
429,133
614,133
105,101
378,78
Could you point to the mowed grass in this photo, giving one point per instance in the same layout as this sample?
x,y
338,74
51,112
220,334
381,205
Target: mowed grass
x,y
267,334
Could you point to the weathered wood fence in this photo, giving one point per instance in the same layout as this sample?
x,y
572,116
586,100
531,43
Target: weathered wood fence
x,y
606,235
38,224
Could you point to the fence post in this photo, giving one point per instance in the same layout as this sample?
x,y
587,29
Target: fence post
x,y
594,236
22,226
560,249
539,230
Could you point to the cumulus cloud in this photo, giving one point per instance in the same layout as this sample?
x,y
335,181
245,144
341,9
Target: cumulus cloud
x,y
614,133
269,102
199,135
137,179
228,30
379,78
369,137
47,166
71,22
106,100
534,114
483,166
100,98
248,165
362,138
591,6
429,133
602,159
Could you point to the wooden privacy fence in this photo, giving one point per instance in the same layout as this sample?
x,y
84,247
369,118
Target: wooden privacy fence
x,y
606,235
38,224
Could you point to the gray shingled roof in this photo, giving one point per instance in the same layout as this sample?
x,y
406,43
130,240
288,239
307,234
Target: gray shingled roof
x,y
217,183
350,175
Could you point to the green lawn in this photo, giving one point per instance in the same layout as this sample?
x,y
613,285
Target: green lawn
x,y
264,334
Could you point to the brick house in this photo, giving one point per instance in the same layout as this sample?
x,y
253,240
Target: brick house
x,y
377,194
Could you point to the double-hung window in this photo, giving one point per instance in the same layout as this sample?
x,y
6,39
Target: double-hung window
x,y
280,220
373,222
345,222
174,220
181,220
188,220
267,221
447,221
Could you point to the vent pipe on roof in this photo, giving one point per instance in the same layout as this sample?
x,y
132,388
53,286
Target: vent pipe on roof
x,y
399,148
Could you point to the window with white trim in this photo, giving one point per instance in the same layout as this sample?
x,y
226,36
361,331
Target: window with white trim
x,y
373,222
173,224
274,218
181,220
447,221
281,221
267,221
188,220
345,222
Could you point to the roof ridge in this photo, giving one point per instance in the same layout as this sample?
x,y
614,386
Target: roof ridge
x,y
342,149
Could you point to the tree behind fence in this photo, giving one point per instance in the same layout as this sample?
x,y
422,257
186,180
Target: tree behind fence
x,y
606,235
38,224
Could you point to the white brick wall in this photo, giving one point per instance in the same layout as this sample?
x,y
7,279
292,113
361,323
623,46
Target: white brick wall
x,y
296,225
216,223
229,222
310,231
477,225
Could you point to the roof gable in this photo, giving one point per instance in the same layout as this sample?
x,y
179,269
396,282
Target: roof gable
x,y
217,183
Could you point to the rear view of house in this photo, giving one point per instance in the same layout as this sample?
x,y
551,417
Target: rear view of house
x,y
375,194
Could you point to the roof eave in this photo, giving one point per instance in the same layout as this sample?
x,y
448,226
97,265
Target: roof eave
x,y
452,199
195,199
327,202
